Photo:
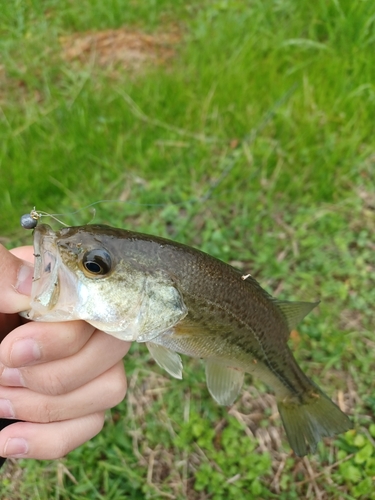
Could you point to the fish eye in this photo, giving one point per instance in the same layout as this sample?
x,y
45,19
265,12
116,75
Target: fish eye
x,y
97,262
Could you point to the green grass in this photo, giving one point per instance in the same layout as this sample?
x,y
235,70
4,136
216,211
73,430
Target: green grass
x,y
257,140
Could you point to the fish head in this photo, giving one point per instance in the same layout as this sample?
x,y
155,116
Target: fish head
x,y
68,263
94,274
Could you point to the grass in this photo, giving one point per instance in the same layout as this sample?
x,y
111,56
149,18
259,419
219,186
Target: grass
x,y
254,143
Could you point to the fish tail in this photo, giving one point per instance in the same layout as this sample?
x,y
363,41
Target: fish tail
x,y
307,422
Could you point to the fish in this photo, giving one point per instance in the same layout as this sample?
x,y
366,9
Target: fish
x,y
179,300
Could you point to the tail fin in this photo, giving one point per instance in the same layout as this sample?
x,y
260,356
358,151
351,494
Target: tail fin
x,y
308,422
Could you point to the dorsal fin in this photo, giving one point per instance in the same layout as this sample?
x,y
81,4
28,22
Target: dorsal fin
x,y
294,312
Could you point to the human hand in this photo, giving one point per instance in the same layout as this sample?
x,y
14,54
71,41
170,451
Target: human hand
x,y
59,378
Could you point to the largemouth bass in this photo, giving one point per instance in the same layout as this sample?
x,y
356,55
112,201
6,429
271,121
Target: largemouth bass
x,y
177,299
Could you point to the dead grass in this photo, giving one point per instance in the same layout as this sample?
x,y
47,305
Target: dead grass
x,y
13,474
111,50
177,469
121,48
170,468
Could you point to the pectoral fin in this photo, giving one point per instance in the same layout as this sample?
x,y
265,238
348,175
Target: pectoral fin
x,y
170,361
223,382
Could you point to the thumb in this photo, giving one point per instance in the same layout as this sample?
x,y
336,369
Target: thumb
x,y
15,283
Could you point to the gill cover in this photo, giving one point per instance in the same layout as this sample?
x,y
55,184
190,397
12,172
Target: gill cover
x,y
160,308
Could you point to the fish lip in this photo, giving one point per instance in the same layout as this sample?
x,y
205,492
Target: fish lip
x,y
47,262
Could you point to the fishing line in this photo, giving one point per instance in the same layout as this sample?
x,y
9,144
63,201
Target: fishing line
x,y
30,221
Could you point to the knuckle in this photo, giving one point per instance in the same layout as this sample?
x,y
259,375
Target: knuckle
x,y
62,447
54,384
60,453
59,448
97,421
43,379
88,427
59,385
118,389
47,413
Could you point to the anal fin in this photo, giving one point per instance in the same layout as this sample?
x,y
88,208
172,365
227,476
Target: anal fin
x,y
169,360
223,382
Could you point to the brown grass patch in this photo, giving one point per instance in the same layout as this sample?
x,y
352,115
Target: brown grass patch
x,y
12,473
121,47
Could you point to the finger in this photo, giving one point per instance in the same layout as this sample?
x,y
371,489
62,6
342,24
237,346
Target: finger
x,y
24,253
38,342
48,441
62,376
9,322
104,392
15,282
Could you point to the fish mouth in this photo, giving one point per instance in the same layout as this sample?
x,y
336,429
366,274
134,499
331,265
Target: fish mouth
x,y
50,276
44,290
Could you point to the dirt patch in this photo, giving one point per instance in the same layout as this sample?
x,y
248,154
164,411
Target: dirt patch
x,y
119,48
113,49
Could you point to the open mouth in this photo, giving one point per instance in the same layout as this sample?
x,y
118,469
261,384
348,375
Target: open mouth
x,y
45,288
54,295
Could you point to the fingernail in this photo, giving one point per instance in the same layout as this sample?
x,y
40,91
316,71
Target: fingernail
x,y
16,447
24,351
11,377
25,279
6,409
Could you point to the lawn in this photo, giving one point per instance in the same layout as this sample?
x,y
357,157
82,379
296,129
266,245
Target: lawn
x,y
245,129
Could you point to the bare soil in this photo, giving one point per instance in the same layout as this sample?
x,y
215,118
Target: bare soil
x,y
121,47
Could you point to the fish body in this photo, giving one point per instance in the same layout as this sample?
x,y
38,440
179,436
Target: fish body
x,y
178,299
